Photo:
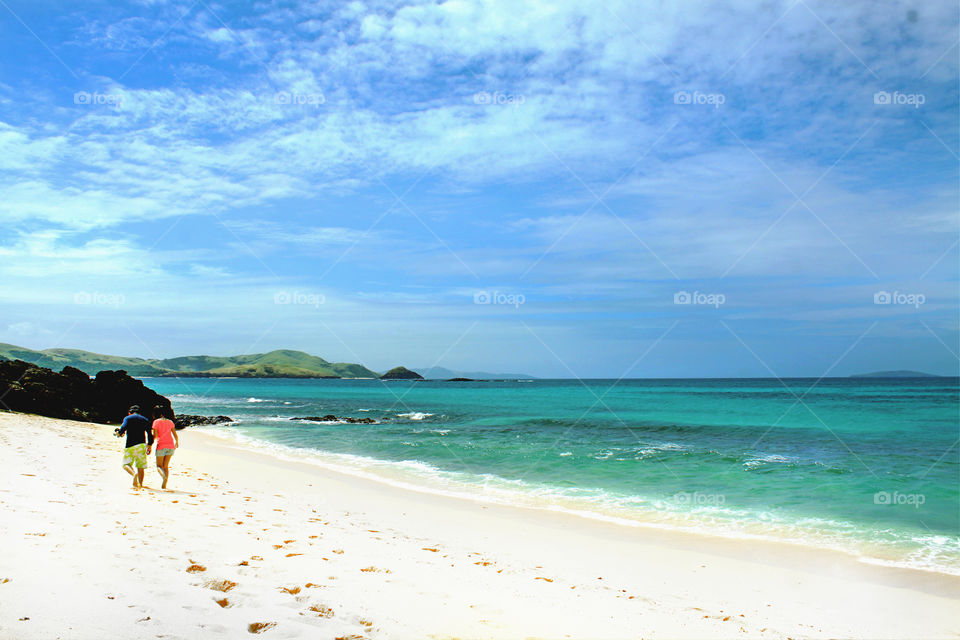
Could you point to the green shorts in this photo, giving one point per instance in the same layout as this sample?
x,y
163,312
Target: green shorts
x,y
135,456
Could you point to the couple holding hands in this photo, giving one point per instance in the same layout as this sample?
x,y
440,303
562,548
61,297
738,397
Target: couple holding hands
x,y
141,435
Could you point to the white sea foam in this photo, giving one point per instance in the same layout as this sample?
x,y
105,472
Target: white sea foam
x,y
566,453
935,553
414,415
186,398
257,400
654,449
758,461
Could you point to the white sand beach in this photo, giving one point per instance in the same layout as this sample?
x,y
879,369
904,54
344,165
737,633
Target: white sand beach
x,y
246,543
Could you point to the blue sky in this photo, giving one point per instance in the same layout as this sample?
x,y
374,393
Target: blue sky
x,y
489,185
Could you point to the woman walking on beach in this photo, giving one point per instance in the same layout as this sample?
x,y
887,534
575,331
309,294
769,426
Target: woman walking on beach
x,y
166,440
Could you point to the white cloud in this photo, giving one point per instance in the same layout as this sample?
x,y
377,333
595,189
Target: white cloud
x,y
229,121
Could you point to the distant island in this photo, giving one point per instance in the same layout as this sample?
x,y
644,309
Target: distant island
x,y
902,373
401,373
442,373
282,363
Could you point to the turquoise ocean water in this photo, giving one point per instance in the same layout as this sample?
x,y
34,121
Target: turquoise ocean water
x,y
869,467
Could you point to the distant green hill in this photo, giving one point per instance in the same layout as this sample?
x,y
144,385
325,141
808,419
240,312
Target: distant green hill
x,y
84,360
282,363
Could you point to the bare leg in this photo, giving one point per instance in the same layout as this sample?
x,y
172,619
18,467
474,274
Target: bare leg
x,y
162,471
166,470
140,474
129,469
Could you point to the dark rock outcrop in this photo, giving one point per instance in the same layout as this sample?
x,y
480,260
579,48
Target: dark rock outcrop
x,y
72,394
461,380
401,373
186,420
333,418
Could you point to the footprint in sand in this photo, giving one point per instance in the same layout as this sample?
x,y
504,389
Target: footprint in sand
x,y
321,610
220,585
375,570
260,627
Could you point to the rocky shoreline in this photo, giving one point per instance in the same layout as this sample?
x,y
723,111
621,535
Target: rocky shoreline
x,y
72,394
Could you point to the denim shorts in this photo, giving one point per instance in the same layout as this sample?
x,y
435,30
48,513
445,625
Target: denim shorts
x,y
165,452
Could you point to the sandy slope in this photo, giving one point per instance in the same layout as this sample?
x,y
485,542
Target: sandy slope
x,y
324,555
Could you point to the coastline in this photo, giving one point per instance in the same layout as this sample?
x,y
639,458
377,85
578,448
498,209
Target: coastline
x,y
424,478
498,571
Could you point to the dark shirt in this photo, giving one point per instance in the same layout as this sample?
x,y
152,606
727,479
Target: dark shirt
x,y
138,430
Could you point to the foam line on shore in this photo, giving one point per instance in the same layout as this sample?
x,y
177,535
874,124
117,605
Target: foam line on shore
x,y
426,478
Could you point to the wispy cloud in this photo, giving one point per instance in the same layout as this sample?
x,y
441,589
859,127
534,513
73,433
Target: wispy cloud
x,y
607,152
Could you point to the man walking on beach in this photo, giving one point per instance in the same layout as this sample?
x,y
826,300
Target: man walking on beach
x,y
139,441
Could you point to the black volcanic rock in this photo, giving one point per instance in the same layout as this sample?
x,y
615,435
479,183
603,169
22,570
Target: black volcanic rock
x,y
71,394
401,373
115,391
333,418
186,420
461,380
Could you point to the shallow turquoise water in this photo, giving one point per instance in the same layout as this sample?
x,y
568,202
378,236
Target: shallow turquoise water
x,y
866,466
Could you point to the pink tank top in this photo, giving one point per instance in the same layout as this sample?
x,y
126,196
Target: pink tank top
x,y
164,430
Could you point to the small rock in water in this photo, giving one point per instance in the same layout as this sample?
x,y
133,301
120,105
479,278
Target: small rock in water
x,y
333,418
187,420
